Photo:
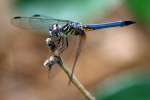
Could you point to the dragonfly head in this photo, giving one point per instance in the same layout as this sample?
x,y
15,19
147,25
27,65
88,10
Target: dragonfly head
x,y
54,30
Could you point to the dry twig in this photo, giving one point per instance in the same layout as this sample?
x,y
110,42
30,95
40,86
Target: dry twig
x,y
57,60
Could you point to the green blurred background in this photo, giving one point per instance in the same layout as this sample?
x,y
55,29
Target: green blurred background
x,y
114,63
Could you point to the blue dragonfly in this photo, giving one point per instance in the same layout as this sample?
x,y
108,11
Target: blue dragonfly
x,y
59,30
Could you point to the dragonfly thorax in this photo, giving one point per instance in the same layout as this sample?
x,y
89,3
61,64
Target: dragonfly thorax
x,y
57,30
73,28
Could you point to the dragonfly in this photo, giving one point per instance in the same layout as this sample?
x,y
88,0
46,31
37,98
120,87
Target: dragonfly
x,y
59,31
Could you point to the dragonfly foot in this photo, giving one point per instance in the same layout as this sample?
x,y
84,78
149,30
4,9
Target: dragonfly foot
x,y
51,61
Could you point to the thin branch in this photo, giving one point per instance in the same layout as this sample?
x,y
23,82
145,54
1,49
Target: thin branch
x,y
75,81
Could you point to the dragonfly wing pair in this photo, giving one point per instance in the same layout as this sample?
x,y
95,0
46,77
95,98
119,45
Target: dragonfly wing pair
x,y
37,23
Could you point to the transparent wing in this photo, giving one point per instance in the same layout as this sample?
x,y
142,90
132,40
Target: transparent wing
x,y
37,22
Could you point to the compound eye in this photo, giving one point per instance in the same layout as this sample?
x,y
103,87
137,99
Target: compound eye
x,y
55,26
52,28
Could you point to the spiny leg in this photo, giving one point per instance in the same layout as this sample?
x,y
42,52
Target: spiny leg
x,y
63,44
53,46
60,47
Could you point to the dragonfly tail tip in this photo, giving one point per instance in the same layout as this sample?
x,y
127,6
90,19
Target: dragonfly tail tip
x,y
129,22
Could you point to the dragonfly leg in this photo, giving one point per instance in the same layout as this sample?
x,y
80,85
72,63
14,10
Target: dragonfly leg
x,y
63,44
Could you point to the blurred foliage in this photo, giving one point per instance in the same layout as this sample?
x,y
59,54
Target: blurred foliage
x,y
136,92
141,9
128,86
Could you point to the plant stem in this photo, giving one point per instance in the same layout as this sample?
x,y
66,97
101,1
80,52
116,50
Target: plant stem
x,y
76,82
